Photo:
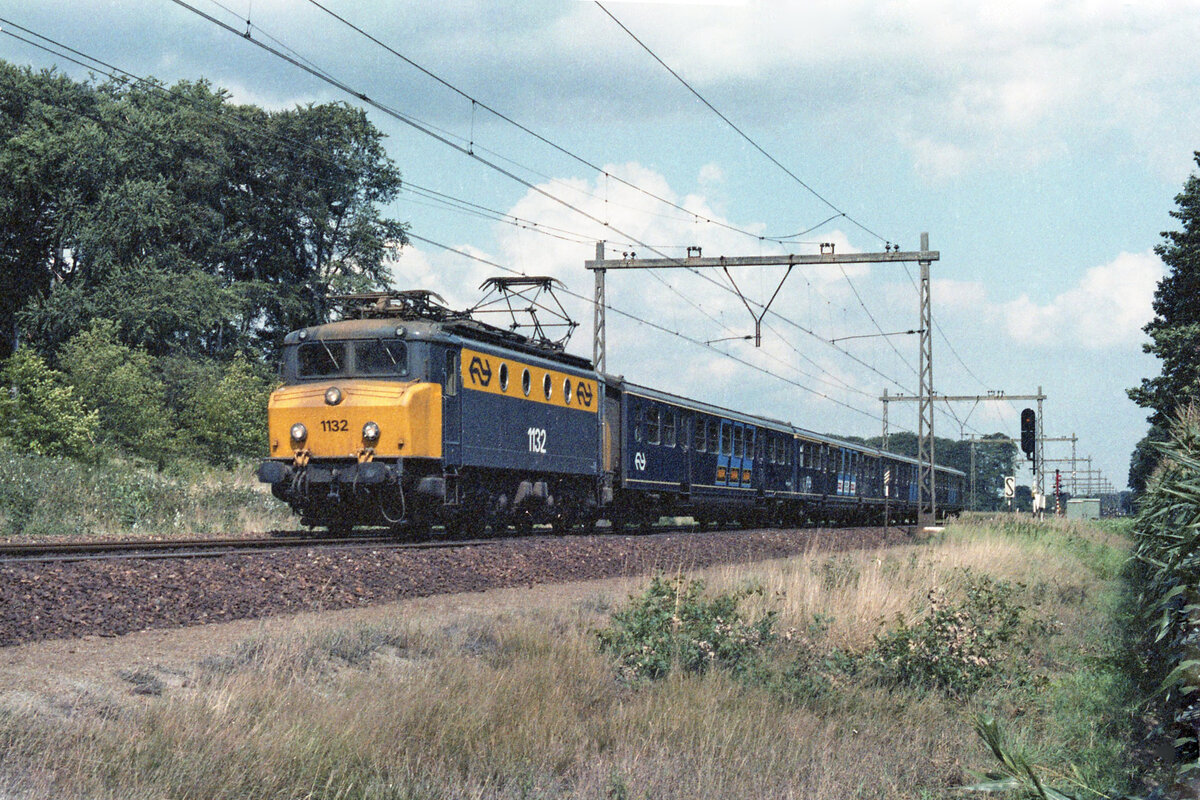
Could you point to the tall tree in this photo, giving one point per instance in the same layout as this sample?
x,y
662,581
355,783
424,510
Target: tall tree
x,y
1175,329
197,225
50,149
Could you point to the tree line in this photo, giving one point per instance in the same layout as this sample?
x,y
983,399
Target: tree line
x,y
1174,335
157,242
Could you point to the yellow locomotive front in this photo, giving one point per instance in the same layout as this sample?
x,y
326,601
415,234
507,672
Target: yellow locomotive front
x,y
357,422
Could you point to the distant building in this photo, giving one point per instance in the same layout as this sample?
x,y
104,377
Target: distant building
x,y
1083,508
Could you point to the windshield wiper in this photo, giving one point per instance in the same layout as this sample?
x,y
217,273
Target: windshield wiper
x,y
336,366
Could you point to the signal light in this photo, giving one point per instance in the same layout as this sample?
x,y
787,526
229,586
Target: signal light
x,y
1028,432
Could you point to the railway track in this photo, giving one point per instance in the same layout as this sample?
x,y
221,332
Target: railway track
x,y
35,552
206,548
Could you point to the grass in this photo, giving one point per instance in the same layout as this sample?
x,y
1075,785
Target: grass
x,y
524,704
44,497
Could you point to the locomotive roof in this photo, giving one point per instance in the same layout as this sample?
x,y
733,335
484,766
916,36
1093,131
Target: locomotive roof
x,y
434,330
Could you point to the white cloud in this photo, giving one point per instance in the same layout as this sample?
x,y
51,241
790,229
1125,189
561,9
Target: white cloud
x,y
1106,309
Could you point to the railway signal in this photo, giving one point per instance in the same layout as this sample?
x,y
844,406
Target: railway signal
x,y
1028,432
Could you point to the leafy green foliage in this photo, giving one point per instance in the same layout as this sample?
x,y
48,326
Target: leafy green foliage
x,y
1174,332
120,382
1167,532
956,647
1016,772
228,418
56,496
673,625
41,413
195,224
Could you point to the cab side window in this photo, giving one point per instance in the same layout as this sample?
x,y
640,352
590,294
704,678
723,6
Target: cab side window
x,y
452,373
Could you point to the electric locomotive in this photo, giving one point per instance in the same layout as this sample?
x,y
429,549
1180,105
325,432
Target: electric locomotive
x,y
408,414
414,414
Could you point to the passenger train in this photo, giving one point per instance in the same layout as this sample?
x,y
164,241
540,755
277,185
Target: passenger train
x,y
411,415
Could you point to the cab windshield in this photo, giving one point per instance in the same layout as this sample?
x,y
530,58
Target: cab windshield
x,y
363,357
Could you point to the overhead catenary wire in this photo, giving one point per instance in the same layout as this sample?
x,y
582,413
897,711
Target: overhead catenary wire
x,y
658,327
738,130
476,102
329,78
417,125
167,91
839,213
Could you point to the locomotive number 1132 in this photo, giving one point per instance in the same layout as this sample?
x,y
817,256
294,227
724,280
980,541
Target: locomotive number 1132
x,y
537,440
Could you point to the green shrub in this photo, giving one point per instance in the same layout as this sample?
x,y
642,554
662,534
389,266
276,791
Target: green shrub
x,y
673,625
41,413
1167,550
120,382
228,418
956,647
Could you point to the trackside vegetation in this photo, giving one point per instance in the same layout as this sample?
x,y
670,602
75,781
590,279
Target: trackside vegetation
x,y
45,497
156,244
1168,579
860,675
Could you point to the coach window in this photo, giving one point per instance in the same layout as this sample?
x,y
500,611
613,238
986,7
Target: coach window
x,y
738,441
504,377
653,426
713,439
668,427
700,434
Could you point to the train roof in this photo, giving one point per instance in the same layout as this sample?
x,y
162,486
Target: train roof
x,y
424,317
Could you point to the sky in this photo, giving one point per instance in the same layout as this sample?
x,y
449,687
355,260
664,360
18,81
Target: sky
x,y
1040,145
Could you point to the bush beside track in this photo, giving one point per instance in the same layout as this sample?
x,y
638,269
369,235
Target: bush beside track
x,y
45,497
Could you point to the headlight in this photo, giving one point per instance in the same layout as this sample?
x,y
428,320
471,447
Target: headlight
x,y
299,432
370,432
333,396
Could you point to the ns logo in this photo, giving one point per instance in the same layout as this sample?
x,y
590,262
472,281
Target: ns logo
x,y
583,391
639,462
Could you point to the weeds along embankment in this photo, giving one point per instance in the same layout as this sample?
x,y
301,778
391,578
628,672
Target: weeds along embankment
x,y
851,675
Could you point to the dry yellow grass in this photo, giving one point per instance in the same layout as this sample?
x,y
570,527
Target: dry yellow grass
x,y
517,706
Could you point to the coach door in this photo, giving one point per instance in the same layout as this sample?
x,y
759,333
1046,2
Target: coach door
x,y
749,435
725,453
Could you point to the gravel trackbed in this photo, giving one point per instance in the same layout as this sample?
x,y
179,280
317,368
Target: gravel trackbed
x,y
110,598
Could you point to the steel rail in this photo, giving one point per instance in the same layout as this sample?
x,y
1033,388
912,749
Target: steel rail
x,y
199,548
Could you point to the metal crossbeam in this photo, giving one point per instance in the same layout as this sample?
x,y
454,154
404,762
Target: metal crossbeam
x,y
927,492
